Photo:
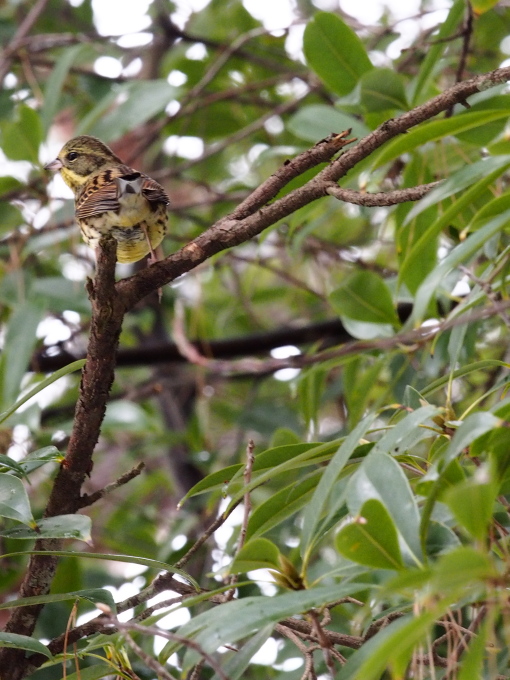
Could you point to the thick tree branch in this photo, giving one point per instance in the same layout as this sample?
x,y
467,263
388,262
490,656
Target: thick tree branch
x,y
243,223
65,497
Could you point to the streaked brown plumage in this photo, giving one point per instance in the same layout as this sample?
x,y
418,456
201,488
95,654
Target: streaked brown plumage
x,y
113,198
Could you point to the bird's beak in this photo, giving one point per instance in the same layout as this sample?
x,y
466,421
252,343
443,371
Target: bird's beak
x,y
54,165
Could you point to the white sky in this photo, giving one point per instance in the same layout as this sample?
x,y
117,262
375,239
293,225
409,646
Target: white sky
x,y
120,17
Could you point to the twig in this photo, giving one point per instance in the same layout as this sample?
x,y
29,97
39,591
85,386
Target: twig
x,y
173,637
25,28
149,661
203,538
324,641
250,459
195,674
383,198
89,499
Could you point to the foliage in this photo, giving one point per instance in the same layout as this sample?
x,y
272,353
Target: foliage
x,y
340,420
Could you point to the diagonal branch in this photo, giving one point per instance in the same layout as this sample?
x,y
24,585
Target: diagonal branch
x,y
243,224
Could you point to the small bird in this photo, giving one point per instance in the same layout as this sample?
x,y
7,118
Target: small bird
x,y
112,198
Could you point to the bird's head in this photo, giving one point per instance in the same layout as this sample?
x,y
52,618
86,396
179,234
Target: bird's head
x,y
80,158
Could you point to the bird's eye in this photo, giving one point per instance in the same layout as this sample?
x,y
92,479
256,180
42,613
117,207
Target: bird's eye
x,y
72,156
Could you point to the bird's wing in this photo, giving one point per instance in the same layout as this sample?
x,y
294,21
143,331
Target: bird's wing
x,y
153,191
102,191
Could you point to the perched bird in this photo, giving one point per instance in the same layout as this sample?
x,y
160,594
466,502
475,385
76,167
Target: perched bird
x,y
112,198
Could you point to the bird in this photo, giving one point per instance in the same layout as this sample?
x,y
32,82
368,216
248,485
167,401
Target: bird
x,y
113,198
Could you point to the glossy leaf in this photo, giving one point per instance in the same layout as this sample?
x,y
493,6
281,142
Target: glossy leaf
x,y
335,52
19,344
436,50
382,89
458,255
70,368
371,538
434,130
93,595
14,502
317,121
237,619
258,553
22,137
24,642
62,526
321,497
364,296
472,502
281,505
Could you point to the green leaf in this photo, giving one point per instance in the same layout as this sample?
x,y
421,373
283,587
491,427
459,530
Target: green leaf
x,y
20,341
491,209
459,568
8,184
482,172
382,89
62,526
334,51
216,480
35,459
364,296
259,553
56,81
268,466
482,6
458,255
317,121
371,538
473,427
437,48
24,642
14,501
395,640
471,661
281,505
434,130
128,559
472,502
237,619
381,477
96,672
70,368
93,595
321,497
144,100
7,463
21,139
407,432
240,660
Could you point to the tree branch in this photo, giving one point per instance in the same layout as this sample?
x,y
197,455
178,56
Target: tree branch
x,y
65,497
243,223
382,198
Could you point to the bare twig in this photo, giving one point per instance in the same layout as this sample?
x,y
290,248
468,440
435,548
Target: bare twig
x,y
203,538
25,27
149,661
89,499
173,637
386,198
250,459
